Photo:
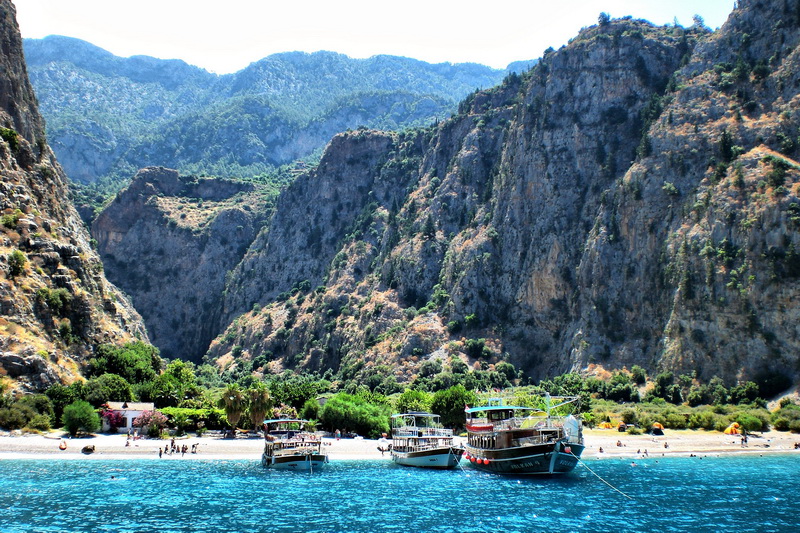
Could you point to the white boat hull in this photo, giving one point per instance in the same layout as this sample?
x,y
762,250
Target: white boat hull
x,y
439,458
300,463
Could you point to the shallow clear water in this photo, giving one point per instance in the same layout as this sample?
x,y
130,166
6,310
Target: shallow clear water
x,y
669,494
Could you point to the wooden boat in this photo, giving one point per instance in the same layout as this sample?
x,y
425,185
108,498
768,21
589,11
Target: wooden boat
x,y
418,439
506,439
288,447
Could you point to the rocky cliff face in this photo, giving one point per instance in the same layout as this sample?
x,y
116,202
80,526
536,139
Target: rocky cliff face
x,y
55,303
631,200
169,241
705,221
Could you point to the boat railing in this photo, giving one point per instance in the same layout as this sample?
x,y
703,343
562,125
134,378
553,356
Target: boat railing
x,y
417,445
290,446
486,425
417,431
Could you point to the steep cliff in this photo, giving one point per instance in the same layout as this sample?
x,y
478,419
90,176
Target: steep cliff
x,y
631,200
169,241
705,222
55,303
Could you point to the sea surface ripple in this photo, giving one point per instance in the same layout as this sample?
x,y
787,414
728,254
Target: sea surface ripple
x,y
655,494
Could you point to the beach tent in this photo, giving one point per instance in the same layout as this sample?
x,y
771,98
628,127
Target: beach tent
x,y
657,429
733,429
605,425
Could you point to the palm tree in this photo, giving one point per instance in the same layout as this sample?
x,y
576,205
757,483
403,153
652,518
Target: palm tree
x,y
234,403
260,402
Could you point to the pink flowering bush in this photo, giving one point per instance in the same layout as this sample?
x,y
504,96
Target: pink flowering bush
x,y
153,421
112,418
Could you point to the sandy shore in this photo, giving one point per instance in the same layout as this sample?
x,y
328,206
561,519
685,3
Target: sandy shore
x,y
684,443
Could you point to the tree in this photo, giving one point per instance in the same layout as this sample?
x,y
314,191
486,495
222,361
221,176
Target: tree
x,y
507,370
234,403
638,374
62,396
698,22
175,385
353,412
604,19
137,362
450,403
80,416
413,400
108,388
293,389
260,402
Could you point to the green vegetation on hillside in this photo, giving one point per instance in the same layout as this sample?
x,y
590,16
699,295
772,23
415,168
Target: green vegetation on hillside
x,y
197,398
109,116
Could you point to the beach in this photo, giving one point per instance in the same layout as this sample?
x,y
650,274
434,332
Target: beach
x,y
111,446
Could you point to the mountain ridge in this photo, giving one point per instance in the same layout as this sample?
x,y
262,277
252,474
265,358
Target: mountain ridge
x,y
109,116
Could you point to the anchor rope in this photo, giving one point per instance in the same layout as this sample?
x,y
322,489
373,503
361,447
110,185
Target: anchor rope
x,y
598,476
458,460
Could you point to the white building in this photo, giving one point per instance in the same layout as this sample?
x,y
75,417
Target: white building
x,y
129,412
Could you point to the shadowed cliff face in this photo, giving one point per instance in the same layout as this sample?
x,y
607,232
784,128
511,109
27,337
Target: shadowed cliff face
x,y
169,241
55,304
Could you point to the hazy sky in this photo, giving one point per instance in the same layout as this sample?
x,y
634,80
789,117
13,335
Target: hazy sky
x,y
226,35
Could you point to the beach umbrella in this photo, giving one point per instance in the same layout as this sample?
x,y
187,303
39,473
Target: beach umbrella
x,y
733,429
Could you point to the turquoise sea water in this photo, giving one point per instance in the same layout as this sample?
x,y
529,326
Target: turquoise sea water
x,y
668,494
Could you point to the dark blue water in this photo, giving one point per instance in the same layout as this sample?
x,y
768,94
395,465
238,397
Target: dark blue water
x,y
670,494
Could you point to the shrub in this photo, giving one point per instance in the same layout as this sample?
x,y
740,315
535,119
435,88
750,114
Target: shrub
x,y
670,189
751,422
629,416
15,416
55,299
16,263
638,374
80,416
153,421
40,423
476,348
11,137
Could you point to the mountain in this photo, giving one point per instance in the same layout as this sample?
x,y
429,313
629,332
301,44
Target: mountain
x,y
56,305
633,199
108,116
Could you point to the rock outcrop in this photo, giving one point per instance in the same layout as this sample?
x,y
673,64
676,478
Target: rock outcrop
x,y
169,241
55,303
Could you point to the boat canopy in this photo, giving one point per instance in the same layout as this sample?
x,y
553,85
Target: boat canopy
x,y
286,421
416,414
486,408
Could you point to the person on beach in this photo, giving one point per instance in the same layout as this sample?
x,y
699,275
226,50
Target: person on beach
x,y
338,434
160,452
